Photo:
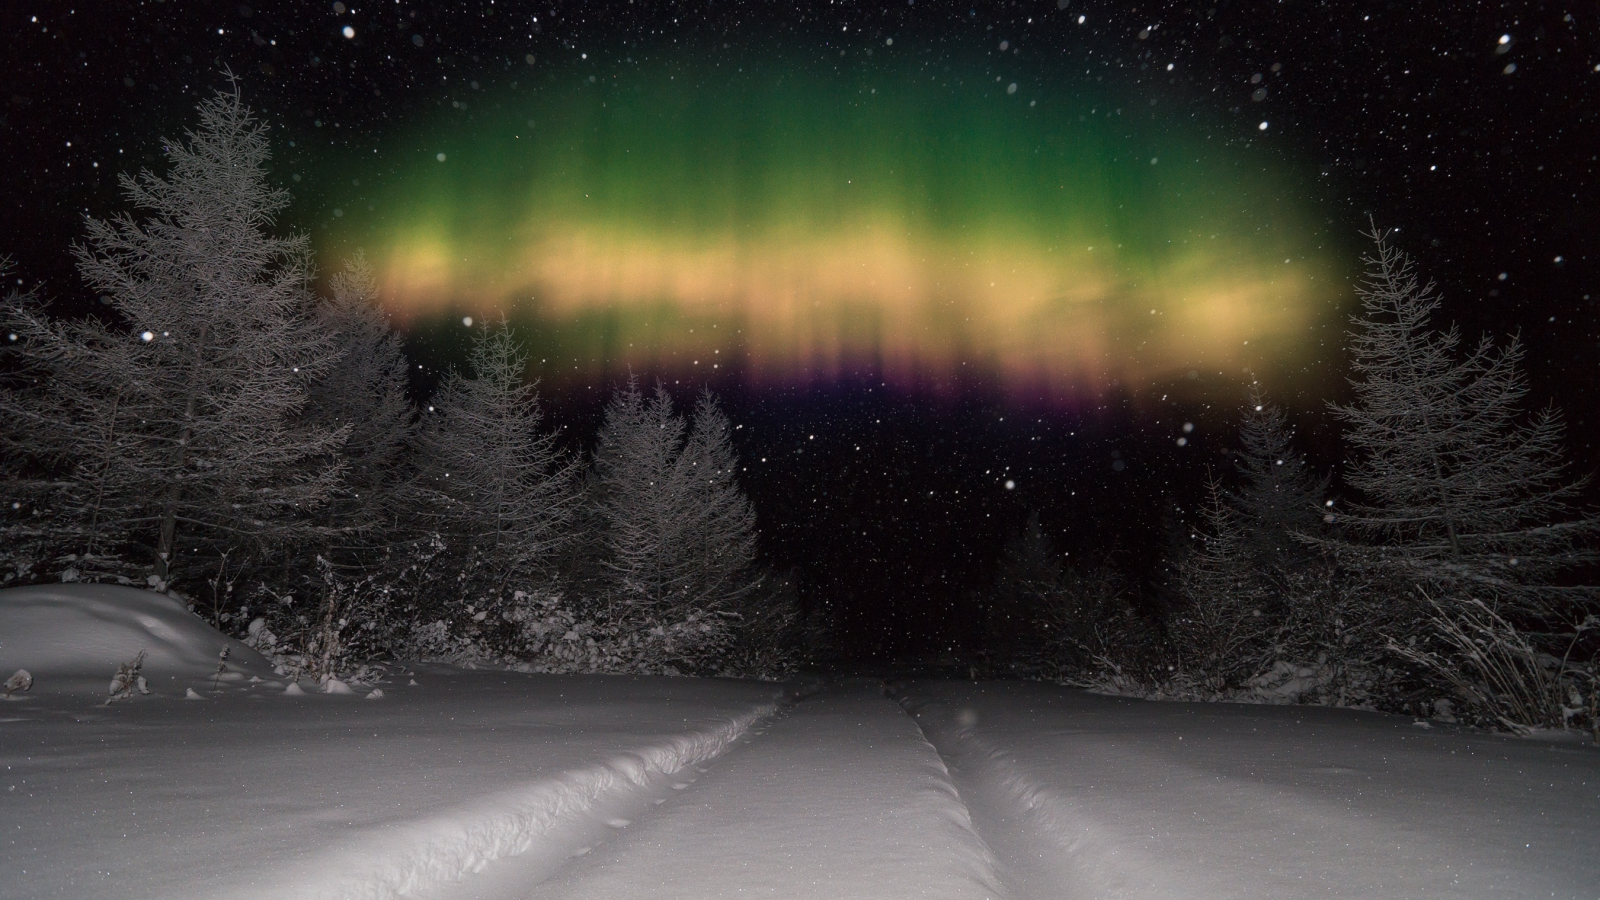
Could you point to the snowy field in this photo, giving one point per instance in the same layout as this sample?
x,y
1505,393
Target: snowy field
x,y
457,784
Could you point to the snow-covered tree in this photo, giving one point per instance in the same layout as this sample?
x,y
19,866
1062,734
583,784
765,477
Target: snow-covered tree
x,y
171,423
31,471
1461,494
1046,619
364,393
771,638
1279,497
1093,635
1222,631
680,534
493,483
1280,513
345,591
724,530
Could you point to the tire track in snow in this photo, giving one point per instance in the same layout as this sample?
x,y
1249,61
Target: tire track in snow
x,y
843,799
1053,845
1105,802
512,877
962,812
424,855
1040,851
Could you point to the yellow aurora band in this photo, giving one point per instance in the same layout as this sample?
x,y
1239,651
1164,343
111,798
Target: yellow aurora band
x,y
792,225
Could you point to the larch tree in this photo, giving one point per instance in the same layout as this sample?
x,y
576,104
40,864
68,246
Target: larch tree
x,y
1462,495
493,482
1279,496
680,534
172,420
364,393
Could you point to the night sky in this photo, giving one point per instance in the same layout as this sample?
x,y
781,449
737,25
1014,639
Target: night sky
x,y
946,264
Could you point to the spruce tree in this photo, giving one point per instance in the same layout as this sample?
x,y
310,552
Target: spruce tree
x,y
364,392
353,577
172,421
1091,633
1222,631
724,529
1304,603
1461,494
32,531
644,499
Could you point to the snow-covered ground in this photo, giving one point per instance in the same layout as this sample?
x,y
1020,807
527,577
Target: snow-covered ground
x,y
254,791
842,797
1083,795
500,785
260,794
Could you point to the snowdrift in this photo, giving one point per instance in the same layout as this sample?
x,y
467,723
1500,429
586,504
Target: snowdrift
x,y
78,630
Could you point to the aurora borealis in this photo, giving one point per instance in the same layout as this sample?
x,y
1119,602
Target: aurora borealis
x,y
792,222
777,191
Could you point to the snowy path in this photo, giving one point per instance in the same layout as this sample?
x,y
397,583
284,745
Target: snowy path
x,y
256,794
486,786
840,798
1087,796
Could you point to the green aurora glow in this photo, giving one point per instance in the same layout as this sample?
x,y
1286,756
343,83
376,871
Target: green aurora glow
x,y
788,224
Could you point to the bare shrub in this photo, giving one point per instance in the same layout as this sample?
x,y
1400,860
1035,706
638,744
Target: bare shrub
x,y
1499,673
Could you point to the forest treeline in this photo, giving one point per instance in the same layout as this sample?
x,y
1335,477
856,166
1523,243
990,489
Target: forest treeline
x,y
222,433
1446,579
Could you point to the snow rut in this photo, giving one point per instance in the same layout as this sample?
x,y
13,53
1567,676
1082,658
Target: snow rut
x,y
842,799
980,858
421,855
1080,804
1066,855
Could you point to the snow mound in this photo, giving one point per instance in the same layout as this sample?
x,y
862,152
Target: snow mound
x,y
91,629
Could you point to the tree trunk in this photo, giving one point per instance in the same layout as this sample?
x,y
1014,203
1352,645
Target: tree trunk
x,y
166,541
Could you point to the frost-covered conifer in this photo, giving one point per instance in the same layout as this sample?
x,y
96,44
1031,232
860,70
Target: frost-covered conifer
x,y
772,635
353,579
1460,494
493,483
1301,613
32,471
364,392
1280,496
725,525
1222,632
171,422
680,533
